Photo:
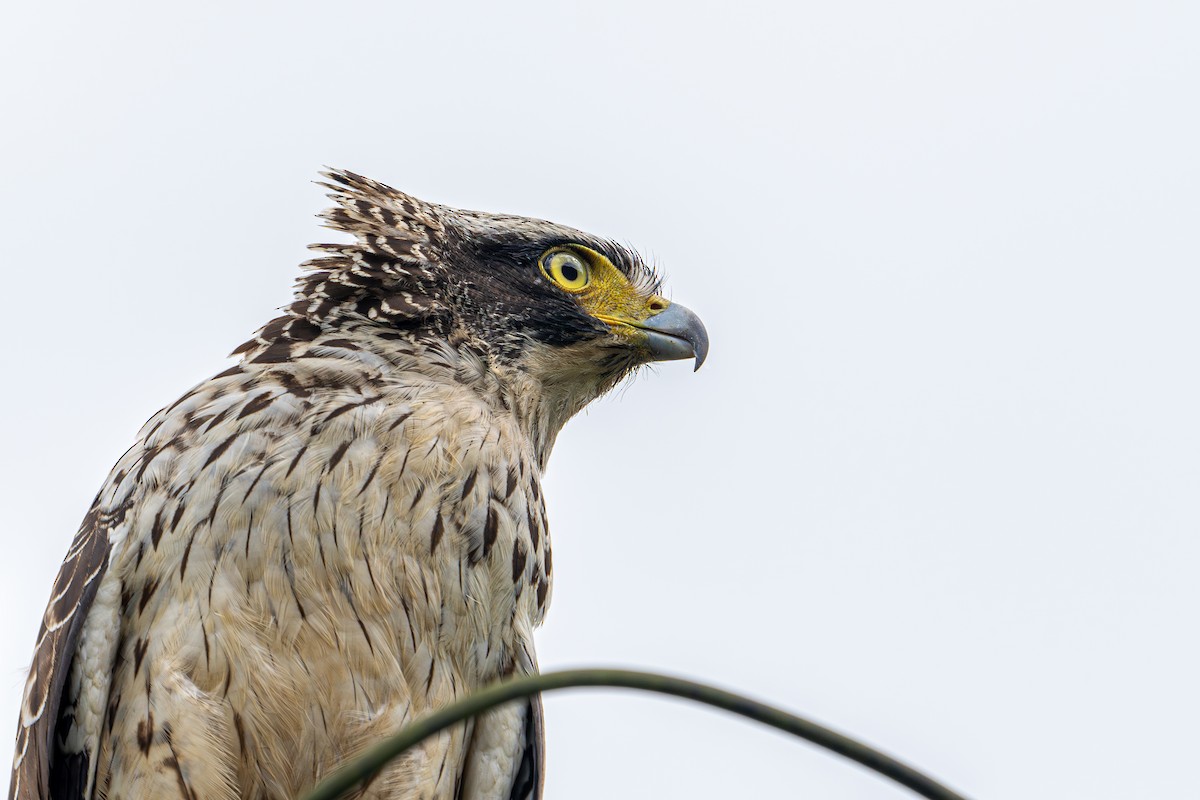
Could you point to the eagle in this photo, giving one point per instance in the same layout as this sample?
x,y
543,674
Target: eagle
x,y
346,529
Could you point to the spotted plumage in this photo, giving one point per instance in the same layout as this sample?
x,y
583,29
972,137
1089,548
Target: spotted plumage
x,y
345,529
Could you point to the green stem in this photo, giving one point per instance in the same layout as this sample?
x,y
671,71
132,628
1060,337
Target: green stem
x,y
370,763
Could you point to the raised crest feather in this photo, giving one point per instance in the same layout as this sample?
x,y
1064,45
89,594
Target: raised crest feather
x,y
390,272
380,217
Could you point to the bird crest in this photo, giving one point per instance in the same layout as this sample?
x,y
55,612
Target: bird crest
x,y
399,244
389,273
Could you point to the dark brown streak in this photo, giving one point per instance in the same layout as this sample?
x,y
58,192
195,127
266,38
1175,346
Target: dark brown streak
x,y
438,529
256,404
518,563
490,529
182,488
173,761
371,475
417,495
139,653
229,373
147,592
469,483
293,385
534,531
179,509
220,449
358,617
176,404
296,460
337,455
212,513
442,768
249,533
145,733
404,462
350,407
399,421
187,551
110,715
371,574
156,529
217,420
408,616
150,454
291,576
344,344
254,483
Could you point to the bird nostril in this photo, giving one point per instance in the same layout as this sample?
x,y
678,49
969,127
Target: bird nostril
x,y
658,304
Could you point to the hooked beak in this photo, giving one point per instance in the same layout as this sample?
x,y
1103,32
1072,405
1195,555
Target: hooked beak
x,y
675,333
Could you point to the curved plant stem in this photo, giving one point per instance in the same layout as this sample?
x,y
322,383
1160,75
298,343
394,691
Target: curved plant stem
x,y
370,763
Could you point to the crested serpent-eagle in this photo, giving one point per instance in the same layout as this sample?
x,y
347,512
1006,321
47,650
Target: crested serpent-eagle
x,y
346,529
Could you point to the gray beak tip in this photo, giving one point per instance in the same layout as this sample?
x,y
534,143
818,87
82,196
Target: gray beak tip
x,y
676,333
701,346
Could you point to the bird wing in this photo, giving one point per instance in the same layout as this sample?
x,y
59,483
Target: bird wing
x,y
527,783
507,748
62,642
504,758
530,775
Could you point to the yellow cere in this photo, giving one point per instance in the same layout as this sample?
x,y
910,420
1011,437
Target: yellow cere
x,y
601,288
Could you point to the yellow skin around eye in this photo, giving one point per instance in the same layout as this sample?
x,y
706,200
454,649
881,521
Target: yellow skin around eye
x,y
610,296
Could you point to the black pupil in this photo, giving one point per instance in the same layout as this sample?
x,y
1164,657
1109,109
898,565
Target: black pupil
x,y
569,272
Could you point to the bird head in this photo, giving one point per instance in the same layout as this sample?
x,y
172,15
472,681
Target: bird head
x,y
570,312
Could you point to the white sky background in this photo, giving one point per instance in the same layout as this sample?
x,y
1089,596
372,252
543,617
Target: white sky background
x,y
937,485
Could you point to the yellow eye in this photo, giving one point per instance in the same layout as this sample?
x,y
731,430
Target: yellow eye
x,y
567,270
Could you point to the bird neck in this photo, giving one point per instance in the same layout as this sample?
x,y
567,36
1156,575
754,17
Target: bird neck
x,y
540,391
